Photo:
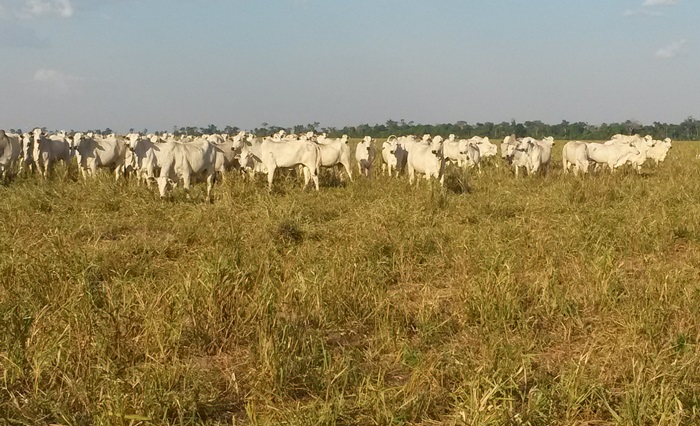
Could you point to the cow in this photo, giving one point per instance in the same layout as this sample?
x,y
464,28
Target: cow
x,y
508,148
94,152
575,154
364,154
10,152
394,155
643,145
545,145
186,161
335,152
47,150
426,157
146,157
227,154
527,154
659,151
486,148
270,154
464,152
612,155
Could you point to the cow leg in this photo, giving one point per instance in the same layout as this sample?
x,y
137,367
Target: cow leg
x,y
411,175
211,179
270,177
186,181
347,170
307,176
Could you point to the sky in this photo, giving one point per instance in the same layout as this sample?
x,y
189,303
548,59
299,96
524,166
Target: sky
x,y
155,64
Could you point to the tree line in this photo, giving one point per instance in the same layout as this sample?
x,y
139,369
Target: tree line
x,y
688,129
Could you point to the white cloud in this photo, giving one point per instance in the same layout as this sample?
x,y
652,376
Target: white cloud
x,y
35,8
660,3
670,51
56,81
647,6
644,12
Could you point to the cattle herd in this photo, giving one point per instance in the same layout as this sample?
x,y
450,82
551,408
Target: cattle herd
x,y
166,160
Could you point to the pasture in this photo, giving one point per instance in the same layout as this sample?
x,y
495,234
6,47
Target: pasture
x,y
537,301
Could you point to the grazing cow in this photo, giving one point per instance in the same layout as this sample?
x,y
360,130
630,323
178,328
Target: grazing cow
x,y
47,150
94,152
10,152
269,155
186,161
613,155
364,154
659,151
426,157
575,154
335,152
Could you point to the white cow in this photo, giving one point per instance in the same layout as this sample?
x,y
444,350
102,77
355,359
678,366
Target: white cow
x,y
575,154
146,157
10,152
612,155
227,154
643,145
545,145
659,151
335,152
47,150
94,152
394,155
269,155
486,148
186,161
426,157
364,154
527,154
464,152
508,148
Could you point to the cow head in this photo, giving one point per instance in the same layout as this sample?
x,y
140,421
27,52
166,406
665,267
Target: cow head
x,y
165,184
245,159
451,137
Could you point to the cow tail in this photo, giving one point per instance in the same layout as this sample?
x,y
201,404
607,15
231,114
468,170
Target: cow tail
x,y
318,160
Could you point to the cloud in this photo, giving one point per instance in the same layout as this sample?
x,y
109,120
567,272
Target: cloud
x,y
646,7
55,81
651,3
670,51
62,8
27,9
643,12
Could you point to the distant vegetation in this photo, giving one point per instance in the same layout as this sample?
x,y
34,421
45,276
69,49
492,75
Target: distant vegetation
x,y
689,129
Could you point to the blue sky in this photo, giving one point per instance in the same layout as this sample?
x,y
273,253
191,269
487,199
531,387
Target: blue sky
x,y
79,64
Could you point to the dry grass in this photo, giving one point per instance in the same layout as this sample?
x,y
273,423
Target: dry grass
x,y
540,301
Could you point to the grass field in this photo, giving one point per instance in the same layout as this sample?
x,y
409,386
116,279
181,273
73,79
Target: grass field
x,y
546,300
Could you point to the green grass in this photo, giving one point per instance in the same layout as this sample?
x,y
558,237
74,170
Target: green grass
x,y
546,300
